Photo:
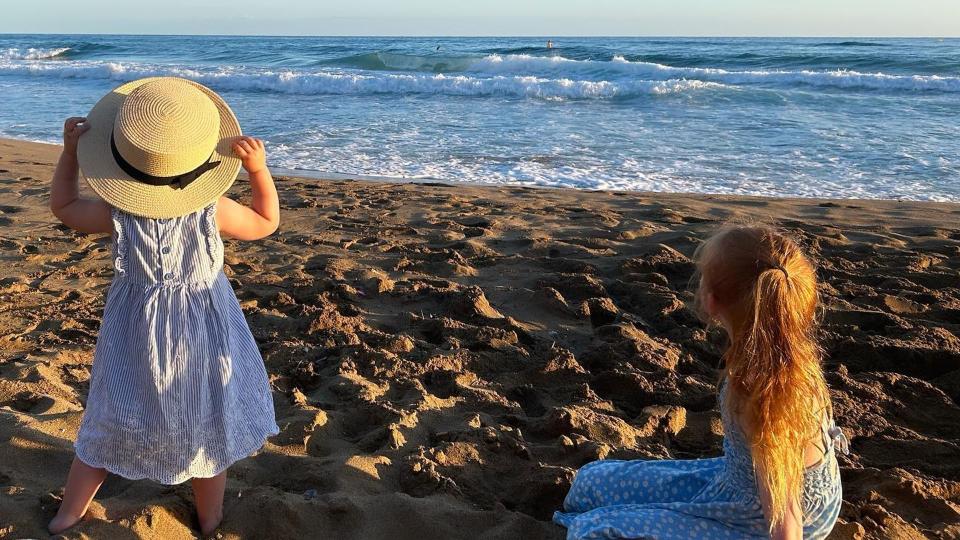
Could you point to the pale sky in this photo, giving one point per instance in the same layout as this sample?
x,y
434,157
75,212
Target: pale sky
x,y
935,18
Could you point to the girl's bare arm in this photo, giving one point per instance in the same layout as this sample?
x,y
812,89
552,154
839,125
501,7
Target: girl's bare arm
x,y
83,215
262,217
791,527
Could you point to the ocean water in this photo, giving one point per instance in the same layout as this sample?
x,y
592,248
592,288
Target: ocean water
x,y
865,118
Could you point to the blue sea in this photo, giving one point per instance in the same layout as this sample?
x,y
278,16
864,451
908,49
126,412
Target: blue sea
x,y
817,117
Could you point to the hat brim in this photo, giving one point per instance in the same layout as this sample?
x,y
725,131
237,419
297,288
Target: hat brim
x,y
121,191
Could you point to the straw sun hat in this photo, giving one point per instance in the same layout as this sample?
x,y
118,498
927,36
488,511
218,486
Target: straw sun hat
x,y
160,147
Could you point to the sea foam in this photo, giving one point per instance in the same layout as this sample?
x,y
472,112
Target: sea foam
x,y
518,75
618,66
348,82
31,53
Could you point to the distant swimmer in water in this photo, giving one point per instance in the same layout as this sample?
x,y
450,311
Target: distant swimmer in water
x,y
438,47
549,44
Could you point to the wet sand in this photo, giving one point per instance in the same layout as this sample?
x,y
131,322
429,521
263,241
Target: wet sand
x,y
443,358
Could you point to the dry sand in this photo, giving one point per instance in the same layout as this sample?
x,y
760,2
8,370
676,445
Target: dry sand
x,y
443,358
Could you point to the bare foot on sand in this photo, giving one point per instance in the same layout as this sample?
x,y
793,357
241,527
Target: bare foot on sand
x,y
62,521
209,523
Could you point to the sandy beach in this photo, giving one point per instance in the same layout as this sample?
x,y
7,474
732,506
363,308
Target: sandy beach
x,y
444,357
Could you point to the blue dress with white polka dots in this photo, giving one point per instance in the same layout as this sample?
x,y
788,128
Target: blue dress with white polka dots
x,y
700,498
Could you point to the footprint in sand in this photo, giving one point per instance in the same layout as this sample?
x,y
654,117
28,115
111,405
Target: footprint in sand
x,y
4,209
27,401
477,222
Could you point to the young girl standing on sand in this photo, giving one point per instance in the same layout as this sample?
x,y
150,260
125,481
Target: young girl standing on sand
x,y
178,389
778,476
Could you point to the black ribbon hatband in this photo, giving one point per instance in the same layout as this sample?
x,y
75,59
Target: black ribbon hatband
x,y
179,181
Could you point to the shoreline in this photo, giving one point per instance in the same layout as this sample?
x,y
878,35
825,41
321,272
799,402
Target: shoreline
x,y
305,174
443,358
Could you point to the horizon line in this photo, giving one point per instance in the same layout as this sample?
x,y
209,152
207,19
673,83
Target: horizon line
x,y
541,36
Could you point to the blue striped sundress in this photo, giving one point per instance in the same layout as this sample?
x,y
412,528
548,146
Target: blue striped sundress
x,y
713,498
178,389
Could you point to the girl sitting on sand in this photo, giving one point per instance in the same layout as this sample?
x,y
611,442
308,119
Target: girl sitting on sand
x,y
178,389
778,476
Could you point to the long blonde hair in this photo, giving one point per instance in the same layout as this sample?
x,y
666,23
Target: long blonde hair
x,y
767,288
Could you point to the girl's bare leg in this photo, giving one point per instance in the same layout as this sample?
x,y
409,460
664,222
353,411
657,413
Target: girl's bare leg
x,y
208,497
82,484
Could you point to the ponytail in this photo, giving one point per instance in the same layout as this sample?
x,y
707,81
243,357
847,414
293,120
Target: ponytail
x,y
773,363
